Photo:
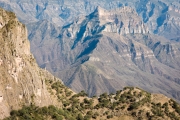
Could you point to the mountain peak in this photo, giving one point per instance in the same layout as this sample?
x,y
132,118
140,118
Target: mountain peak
x,y
123,20
101,11
122,10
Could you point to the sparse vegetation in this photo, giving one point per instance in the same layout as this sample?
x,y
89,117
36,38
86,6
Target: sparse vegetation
x,y
51,112
130,101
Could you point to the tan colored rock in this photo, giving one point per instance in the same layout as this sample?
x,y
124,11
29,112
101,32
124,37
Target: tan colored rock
x,y
22,82
124,20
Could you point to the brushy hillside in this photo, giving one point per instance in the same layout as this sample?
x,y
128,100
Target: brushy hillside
x,y
129,103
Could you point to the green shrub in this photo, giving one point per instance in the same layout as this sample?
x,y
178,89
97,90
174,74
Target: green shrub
x,y
87,117
90,113
14,113
82,93
79,117
109,116
133,106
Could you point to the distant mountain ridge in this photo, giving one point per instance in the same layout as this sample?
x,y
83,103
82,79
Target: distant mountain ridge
x,y
95,53
29,92
160,16
124,20
133,44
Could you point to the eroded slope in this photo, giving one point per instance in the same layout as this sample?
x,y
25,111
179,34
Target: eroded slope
x,y
22,82
107,50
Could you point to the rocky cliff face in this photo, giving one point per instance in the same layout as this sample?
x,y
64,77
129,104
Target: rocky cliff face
x,y
21,81
60,49
162,16
123,20
94,59
97,54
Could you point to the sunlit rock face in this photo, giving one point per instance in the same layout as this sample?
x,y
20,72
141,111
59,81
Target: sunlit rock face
x,y
92,36
22,82
161,16
102,50
96,54
123,20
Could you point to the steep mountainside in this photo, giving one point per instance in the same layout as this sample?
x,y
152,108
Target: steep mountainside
x,y
127,104
64,50
28,92
162,16
108,50
22,82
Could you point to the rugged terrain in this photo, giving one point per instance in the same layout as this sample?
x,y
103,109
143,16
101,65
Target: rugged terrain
x,y
162,17
127,104
109,48
28,92
22,82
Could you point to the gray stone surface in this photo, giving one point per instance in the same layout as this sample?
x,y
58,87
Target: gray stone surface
x,y
91,54
101,51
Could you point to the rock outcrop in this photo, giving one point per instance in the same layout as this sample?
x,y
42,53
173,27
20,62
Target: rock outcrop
x,y
22,82
123,20
161,16
89,56
102,52
59,49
